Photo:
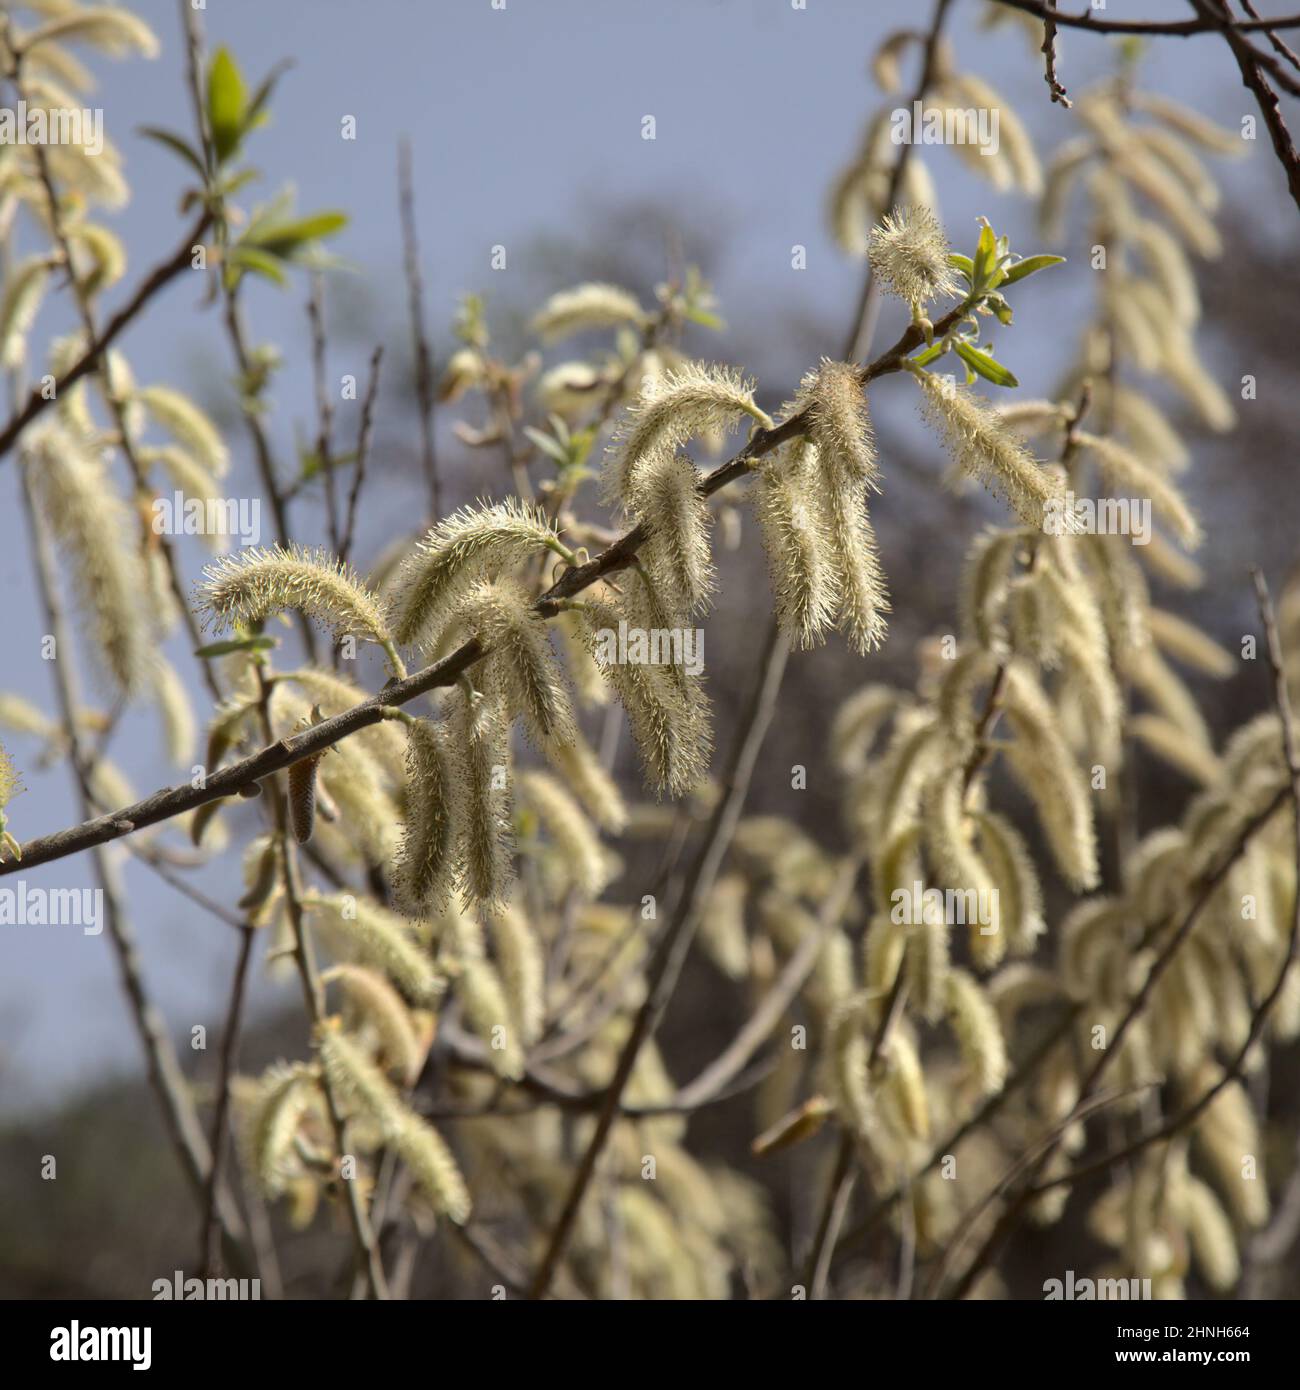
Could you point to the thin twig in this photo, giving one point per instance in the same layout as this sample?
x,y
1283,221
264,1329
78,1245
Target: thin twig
x,y
425,395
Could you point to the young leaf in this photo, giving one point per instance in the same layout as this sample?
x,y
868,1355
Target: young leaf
x,y
983,364
227,104
1028,267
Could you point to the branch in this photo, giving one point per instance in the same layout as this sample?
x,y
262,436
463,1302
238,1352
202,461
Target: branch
x,y
160,276
228,781
1181,29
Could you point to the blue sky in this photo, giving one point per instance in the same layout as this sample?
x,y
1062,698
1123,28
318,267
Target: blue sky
x,y
525,123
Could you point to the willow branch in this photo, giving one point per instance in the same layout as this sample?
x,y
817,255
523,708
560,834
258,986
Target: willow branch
x,y
228,781
1181,28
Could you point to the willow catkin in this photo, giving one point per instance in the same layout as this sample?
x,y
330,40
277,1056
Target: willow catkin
x,y
354,1076
189,425
584,307
24,291
985,584
909,256
1159,683
520,665
667,710
1170,744
1167,262
978,1033
665,494
461,549
365,933
481,731
1122,470
1190,123
269,1112
906,1085
248,587
1188,644
1045,767
79,503
581,851
589,780
426,859
672,409
1227,1135
857,723
523,970
798,549
984,448
1011,865
483,997
1148,431
849,1053
1214,1244
380,1005
959,866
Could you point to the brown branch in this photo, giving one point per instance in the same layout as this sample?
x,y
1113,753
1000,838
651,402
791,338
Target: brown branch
x,y
229,780
1251,63
1182,28
1054,85
160,276
363,452
424,392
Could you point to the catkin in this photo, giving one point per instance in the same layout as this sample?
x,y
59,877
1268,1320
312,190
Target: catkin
x,y
425,861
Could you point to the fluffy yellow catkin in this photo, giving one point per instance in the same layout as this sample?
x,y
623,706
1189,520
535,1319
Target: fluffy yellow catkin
x,y
591,783
270,1110
1043,763
978,1033
1020,897
1125,474
461,549
364,932
190,426
1187,644
984,448
667,710
24,290
425,861
799,558
584,307
380,1005
483,997
77,498
909,256
481,731
672,408
582,853
523,970
248,587
665,494
520,665
356,1077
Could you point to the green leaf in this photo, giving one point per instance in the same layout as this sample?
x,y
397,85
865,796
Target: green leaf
x,y
1001,309
227,104
930,354
258,262
964,264
986,255
237,644
283,239
176,145
703,318
1029,266
552,448
984,365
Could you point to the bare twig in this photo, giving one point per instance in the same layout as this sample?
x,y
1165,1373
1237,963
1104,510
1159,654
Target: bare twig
x,y
424,389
